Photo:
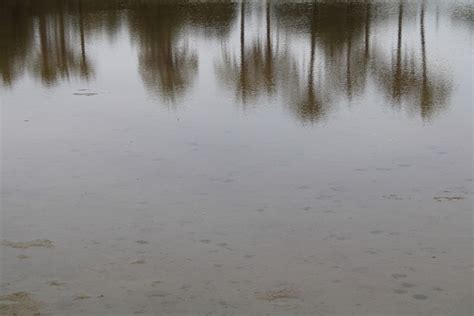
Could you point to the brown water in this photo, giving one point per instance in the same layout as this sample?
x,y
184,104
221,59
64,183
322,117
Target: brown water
x,y
236,158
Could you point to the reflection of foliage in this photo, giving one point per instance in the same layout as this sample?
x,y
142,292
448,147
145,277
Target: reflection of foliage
x,y
340,59
56,57
334,31
260,64
342,31
258,75
62,29
16,38
309,96
213,18
409,79
43,36
410,86
166,67
168,71
339,56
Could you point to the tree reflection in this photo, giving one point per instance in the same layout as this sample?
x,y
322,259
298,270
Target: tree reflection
x,y
161,29
214,19
334,32
234,71
311,55
16,40
310,104
43,39
343,33
56,58
408,79
260,65
167,66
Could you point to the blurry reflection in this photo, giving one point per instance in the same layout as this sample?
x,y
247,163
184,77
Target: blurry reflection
x,y
58,56
311,55
408,79
338,35
214,19
308,98
46,39
167,65
245,74
463,14
16,40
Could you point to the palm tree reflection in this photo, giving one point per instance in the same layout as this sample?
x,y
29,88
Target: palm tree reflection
x,y
310,105
310,55
408,80
167,65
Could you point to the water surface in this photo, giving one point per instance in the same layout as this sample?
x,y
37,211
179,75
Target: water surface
x,y
236,158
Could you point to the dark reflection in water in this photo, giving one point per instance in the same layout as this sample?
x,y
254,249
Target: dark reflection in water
x,y
44,38
308,53
408,76
165,66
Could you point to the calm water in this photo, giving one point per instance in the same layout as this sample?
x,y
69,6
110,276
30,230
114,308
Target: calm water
x,y
236,158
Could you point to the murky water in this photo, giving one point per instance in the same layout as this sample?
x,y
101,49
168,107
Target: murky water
x,y
236,158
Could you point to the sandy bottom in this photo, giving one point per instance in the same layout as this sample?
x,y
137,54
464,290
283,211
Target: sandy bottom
x,y
328,261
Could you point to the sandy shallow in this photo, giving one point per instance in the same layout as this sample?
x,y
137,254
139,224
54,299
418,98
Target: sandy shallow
x,y
247,261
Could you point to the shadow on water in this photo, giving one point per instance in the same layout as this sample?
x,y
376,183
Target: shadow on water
x,y
311,54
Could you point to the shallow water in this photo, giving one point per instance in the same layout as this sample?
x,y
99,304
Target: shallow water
x,y
236,158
